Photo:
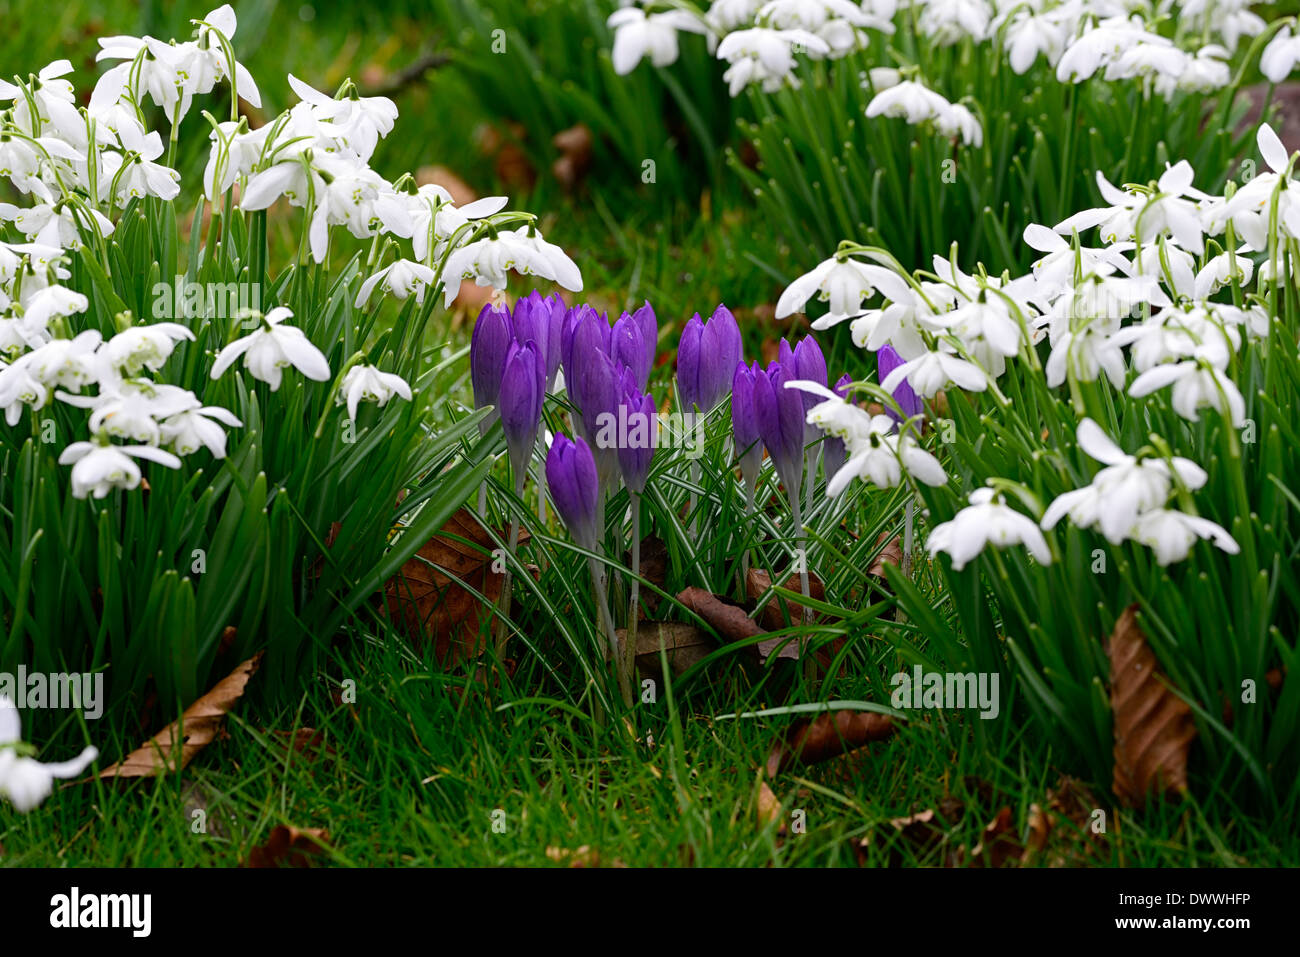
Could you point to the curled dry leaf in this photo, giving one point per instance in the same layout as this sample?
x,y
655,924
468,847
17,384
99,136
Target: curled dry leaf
x,y
732,623
1153,725
176,745
289,846
767,807
998,845
425,595
574,161
827,736
890,554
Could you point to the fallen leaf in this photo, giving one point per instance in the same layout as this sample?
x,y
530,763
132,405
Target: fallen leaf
x,y
772,618
584,856
890,554
683,644
461,192
732,623
510,162
574,145
194,731
428,597
289,846
306,742
998,845
767,807
827,736
1153,726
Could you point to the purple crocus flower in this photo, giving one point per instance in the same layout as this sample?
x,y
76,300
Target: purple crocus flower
x,y
833,452
593,385
637,420
887,360
706,359
573,321
575,487
523,390
779,414
627,347
744,423
649,326
809,365
539,319
489,344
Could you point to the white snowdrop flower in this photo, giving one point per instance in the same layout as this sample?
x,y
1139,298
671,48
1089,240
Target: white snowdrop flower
x,y
399,280
150,67
136,175
843,284
369,384
70,364
1103,44
1231,19
144,347
986,521
98,469
1123,490
488,260
54,98
434,218
271,348
1160,60
1280,56
1221,270
1249,208
19,388
910,101
1030,35
1198,382
1057,267
987,329
725,16
45,304
357,197
933,371
1084,352
187,432
638,35
766,56
951,21
957,120
51,226
24,781
359,121
234,153
26,161
1206,72
1171,534
1173,334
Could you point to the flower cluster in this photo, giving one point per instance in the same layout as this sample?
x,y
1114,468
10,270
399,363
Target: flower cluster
x,y
1138,312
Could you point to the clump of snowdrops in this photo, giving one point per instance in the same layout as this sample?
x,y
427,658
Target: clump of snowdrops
x,y
1116,426
187,423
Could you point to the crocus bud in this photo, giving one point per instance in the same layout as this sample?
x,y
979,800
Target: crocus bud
x,y
627,347
575,488
833,451
557,310
488,346
637,426
779,414
593,385
575,319
530,320
744,424
706,359
809,365
649,326
887,360
523,390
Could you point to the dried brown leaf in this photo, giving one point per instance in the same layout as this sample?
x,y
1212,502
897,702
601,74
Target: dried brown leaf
x,y
827,736
1153,725
289,846
683,644
195,730
772,618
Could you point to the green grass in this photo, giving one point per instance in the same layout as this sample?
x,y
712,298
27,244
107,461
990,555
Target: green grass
x,y
413,774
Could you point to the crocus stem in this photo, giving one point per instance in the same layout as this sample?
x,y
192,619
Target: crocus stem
x,y
749,513
502,629
482,499
541,482
801,557
607,626
695,481
628,661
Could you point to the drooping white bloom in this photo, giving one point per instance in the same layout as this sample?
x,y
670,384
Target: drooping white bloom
x,y
1171,534
986,521
843,283
399,279
488,260
144,347
638,34
1199,382
24,781
359,121
187,432
951,21
271,348
98,469
1127,487
1280,56
766,56
369,384
932,371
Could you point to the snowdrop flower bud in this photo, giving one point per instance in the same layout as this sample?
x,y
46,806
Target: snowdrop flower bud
x,y
273,347
488,346
575,488
986,521
24,781
523,389
368,384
